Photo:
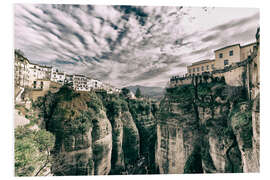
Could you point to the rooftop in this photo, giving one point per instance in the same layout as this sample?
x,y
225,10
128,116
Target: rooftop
x,y
202,62
248,44
80,75
227,47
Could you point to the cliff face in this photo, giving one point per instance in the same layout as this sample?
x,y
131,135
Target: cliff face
x,y
176,134
94,135
142,113
207,127
83,134
126,139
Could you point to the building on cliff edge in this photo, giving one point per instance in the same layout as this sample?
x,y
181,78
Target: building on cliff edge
x,y
230,62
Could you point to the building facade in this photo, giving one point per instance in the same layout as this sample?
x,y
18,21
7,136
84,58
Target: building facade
x,y
199,67
21,70
58,76
247,50
229,63
38,72
227,55
232,54
80,83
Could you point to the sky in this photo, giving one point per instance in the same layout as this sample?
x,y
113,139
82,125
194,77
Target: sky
x,y
128,45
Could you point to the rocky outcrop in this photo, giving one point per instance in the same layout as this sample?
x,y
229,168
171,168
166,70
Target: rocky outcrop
x,y
243,130
256,132
131,141
117,161
197,127
176,134
102,144
126,144
83,134
87,141
145,121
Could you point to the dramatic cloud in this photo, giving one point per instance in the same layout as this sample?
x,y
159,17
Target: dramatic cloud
x,y
128,45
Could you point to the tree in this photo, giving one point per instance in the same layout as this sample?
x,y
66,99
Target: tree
x,y
125,91
20,52
32,151
138,93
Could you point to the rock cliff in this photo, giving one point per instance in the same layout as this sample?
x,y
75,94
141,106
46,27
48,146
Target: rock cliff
x,y
95,135
204,127
207,127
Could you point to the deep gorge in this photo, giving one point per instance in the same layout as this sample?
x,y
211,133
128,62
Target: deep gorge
x,y
204,127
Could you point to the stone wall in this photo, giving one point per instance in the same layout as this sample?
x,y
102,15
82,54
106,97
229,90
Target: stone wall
x,y
232,77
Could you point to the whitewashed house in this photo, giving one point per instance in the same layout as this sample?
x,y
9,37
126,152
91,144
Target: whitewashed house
x,y
57,76
80,83
21,70
38,72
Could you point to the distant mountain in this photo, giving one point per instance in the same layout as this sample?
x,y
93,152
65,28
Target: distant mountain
x,y
152,92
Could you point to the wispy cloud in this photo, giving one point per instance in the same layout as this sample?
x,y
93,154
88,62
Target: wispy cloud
x,y
128,45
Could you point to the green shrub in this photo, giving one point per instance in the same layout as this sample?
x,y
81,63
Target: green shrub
x,y
31,150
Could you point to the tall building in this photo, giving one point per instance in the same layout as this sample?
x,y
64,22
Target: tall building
x,y
232,54
21,70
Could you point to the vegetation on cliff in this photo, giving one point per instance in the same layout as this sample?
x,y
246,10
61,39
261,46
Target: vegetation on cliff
x,y
32,151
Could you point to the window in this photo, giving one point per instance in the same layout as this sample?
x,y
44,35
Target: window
x,y
35,84
202,68
207,67
41,84
189,70
231,53
220,55
212,66
198,69
226,62
193,69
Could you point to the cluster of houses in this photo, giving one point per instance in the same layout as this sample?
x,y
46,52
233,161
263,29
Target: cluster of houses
x,y
39,77
226,62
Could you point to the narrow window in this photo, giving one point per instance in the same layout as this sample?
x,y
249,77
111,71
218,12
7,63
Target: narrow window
x,y
35,84
212,66
231,53
220,55
202,68
207,67
198,69
193,69
189,70
226,62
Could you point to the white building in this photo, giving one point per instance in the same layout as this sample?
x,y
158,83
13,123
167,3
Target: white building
x,y
80,83
57,76
21,70
38,72
96,84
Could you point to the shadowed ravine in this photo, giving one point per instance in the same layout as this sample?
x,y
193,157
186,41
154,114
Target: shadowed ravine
x,y
203,127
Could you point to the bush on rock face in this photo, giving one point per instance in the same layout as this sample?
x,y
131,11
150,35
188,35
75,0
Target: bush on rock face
x,y
32,151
